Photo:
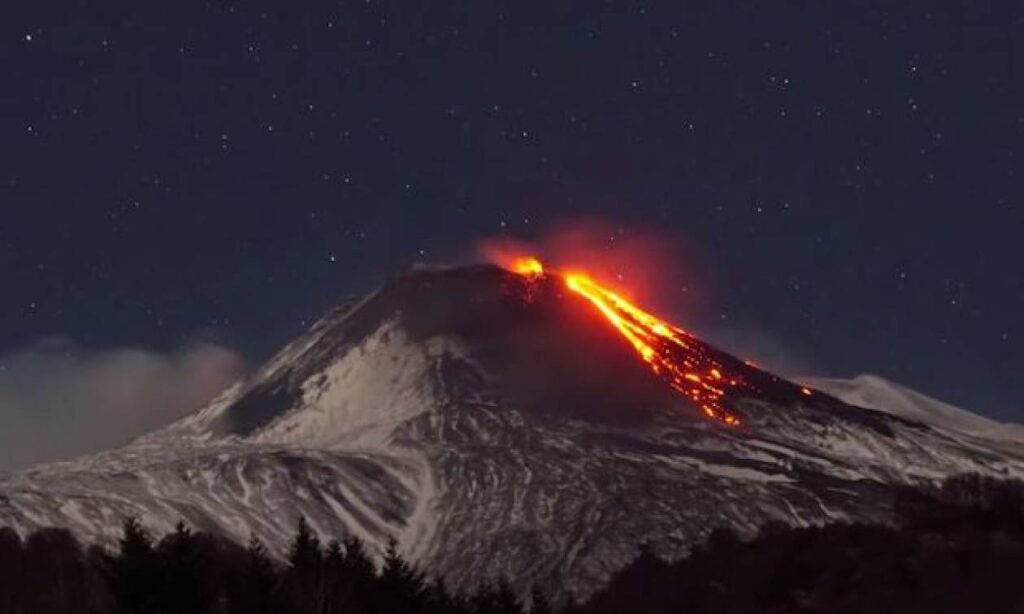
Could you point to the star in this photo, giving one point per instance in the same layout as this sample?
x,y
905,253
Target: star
x,y
557,124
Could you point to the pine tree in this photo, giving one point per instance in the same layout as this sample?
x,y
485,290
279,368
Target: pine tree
x,y
259,567
53,574
437,599
357,561
10,569
339,592
400,586
98,574
350,577
134,571
334,553
305,550
187,582
255,589
305,588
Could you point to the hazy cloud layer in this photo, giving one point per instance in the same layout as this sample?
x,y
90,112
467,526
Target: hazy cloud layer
x,y
58,400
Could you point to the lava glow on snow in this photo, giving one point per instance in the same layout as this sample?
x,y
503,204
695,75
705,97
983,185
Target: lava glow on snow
x,y
670,352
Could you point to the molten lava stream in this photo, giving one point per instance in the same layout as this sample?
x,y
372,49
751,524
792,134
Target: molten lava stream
x,y
528,266
669,351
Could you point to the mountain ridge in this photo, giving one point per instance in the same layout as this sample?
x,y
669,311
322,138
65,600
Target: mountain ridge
x,y
876,392
472,411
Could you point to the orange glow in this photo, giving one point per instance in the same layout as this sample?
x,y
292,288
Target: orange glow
x,y
526,265
806,391
669,351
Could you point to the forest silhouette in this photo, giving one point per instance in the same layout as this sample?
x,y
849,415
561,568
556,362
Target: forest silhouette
x,y
954,548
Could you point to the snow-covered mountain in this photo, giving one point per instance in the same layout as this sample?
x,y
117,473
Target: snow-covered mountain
x,y
498,426
875,392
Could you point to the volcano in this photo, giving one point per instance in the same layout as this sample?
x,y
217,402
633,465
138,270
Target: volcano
x,y
518,424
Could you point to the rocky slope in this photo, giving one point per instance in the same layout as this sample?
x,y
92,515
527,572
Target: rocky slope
x,y
496,426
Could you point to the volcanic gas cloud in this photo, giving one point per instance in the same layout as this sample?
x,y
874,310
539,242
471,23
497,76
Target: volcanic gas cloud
x,y
669,351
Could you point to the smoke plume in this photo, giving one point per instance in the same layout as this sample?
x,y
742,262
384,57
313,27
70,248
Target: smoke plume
x,y
59,400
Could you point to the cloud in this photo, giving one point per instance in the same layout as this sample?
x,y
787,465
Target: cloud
x,y
59,400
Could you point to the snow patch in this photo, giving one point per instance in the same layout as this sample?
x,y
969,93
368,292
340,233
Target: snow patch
x,y
874,392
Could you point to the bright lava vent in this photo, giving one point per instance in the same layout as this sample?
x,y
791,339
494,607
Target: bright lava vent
x,y
669,351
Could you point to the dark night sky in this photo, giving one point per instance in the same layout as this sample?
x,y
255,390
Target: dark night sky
x,y
845,178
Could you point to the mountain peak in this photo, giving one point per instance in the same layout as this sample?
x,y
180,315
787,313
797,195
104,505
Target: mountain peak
x,y
472,411
533,340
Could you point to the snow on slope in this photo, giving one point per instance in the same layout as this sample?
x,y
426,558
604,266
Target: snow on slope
x,y
395,416
875,392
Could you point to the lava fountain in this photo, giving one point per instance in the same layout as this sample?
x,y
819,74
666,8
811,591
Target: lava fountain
x,y
670,352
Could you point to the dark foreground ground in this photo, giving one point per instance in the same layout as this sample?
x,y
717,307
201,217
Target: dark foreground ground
x,y
959,549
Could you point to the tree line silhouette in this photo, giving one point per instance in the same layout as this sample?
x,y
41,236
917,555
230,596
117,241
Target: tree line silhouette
x,y
958,547
189,572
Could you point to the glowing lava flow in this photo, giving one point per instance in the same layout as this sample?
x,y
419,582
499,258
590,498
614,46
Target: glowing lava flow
x,y
528,266
669,351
